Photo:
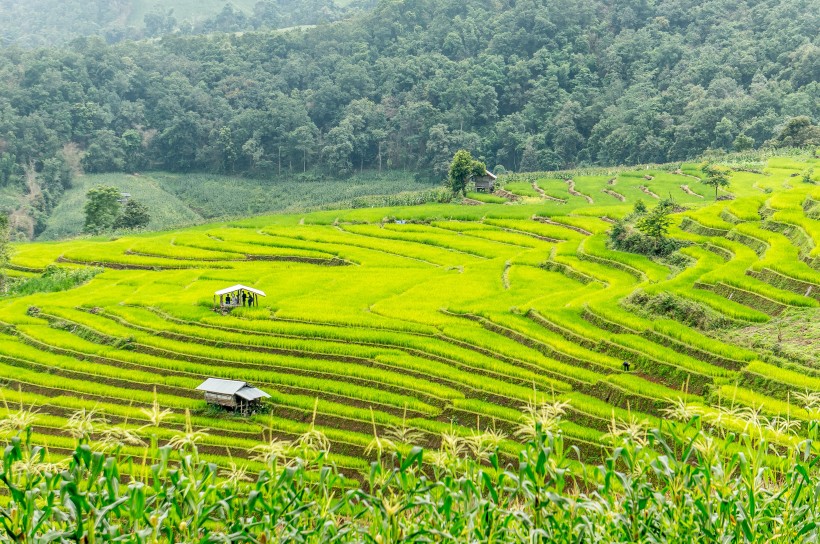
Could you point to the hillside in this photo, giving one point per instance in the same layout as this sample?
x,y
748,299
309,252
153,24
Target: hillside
x,y
175,199
440,317
525,86
43,23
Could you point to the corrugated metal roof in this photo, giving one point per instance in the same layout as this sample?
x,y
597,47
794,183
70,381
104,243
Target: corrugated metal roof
x,y
239,287
251,393
221,387
232,387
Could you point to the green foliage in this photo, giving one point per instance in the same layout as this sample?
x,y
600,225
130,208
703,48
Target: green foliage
x,y
656,223
743,143
666,304
102,208
487,199
464,168
650,486
440,318
41,23
522,189
645,233
4,250
716,177
357,115
53,279
134,215
797,132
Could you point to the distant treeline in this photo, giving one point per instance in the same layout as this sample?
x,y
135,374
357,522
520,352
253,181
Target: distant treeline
x,y
527,84
39,23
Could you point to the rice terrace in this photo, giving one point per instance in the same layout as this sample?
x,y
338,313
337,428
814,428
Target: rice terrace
x,y
440,318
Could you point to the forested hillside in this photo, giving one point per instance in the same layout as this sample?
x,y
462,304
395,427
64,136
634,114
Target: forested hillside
x,y
37,23
528,85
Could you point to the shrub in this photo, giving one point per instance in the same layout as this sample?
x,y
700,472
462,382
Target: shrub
x,y
625,238
53,279
681,310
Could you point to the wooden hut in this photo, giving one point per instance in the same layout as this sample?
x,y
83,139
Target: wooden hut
x,y
485,183
238,295
236,395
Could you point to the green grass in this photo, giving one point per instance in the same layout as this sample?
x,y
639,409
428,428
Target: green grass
x,y
486,198
522,188
458,315
175,200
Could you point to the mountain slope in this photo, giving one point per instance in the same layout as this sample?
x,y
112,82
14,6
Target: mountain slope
x,y
530,85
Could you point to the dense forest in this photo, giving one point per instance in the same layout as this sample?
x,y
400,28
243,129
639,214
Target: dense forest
x,y
527,85
37,23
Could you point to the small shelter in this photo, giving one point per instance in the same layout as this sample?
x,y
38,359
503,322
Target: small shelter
x,y
232,394
238,295
485,183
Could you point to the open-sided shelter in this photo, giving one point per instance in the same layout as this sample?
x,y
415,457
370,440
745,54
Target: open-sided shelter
x,y
232,394
238,295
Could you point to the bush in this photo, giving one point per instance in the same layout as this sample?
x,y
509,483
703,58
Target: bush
x,y
681,310
53,279
624,237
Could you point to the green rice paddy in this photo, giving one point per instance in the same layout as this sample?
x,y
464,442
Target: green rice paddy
x,y
439,317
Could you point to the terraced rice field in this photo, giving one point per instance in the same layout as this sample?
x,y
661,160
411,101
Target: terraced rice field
x,y
452,319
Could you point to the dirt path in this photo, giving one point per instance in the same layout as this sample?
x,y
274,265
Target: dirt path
x,y
548,221
688,191
680,172
648,191
573,192
614,194
545,196
471,202
508,195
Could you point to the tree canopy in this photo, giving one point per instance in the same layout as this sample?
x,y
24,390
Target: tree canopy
x,y
529,85
102,208
4,248
134,215
716,177
463,169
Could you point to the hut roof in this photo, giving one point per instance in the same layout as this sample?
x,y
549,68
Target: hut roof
x,y
231,387
239,287
490,174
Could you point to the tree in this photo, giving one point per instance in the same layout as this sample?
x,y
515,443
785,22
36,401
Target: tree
x,y
305,142
134,216
4,249
228,148
105,153
656,223
102,208
743,143
716,177
798,132
462,169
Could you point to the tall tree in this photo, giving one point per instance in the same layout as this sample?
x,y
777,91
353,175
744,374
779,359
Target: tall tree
x,y
715,177
656,223
134,215
464,168
4,249
102,208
